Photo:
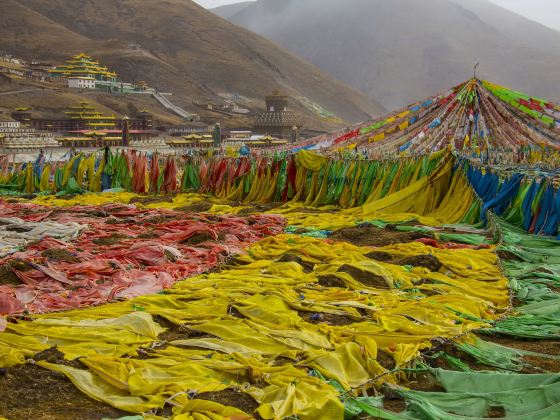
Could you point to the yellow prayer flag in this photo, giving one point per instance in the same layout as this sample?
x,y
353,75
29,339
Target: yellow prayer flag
x,y
403,126
404,114
379,137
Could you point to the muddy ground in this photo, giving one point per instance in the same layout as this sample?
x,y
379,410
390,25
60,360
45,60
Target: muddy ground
x,y
374,236
31,392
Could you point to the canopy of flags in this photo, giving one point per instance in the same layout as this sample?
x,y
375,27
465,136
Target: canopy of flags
x,y
477,119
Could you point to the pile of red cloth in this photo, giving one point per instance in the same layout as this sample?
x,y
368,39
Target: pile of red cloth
x,y
124,252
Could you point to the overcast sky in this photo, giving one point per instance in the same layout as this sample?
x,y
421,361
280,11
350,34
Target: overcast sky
x,y
545,11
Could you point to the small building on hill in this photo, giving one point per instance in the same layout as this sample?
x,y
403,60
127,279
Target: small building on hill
x,y
81,83
277,120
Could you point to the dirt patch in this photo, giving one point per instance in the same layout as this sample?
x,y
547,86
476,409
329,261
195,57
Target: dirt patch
x,y
237,262
326,318
66,196
386,360
537,364
170,256
21,265
177,332
113,221
331,280
429,293
451,350
55,254
367,279
313,211
7,276
182,334
425,291
424,382
496,413
18,228
53,355
151,199
538,346
374,236
427,261
232,398
233,311
379,256
256,208
282,361
32,392
198,239
148,235
158,220
98,213
507,256
291,257
395,404
548,365
198,207
114,239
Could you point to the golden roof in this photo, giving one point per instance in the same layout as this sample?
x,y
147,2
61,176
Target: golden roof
x,y
75,139
181,142
80,56
83,63
95,133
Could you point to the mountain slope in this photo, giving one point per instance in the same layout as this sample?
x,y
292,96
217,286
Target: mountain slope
x,y
183,48
230,10
403,50
514,26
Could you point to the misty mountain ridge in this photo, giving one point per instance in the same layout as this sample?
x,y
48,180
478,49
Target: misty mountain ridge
x,y
399,51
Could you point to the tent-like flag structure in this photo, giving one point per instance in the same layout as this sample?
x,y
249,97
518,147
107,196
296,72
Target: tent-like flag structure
x,y
478,119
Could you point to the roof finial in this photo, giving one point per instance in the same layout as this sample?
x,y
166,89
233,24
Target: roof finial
x,y
474,70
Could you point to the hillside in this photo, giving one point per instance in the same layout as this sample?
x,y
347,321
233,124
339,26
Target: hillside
x,y
52,102
402,50
180,47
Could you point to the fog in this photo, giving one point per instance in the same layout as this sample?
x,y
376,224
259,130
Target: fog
x,y
546,12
